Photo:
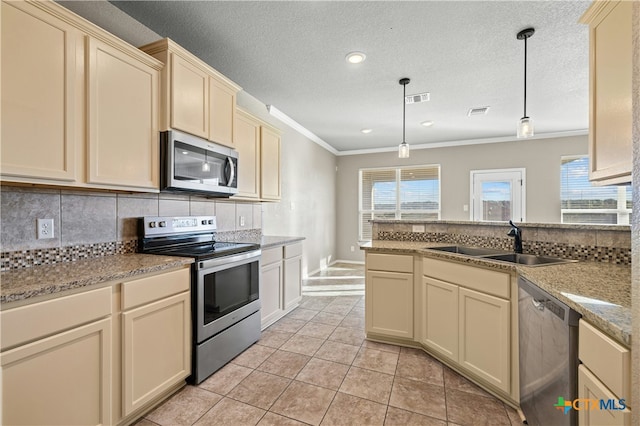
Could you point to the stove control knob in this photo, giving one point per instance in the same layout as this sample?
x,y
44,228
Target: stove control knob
x,y
210,222
152,224
204,222
162,224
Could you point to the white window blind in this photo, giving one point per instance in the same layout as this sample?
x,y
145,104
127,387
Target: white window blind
x,y
398,193
582,202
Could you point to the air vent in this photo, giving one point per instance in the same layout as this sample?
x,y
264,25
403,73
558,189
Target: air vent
x,y
478,111
417,98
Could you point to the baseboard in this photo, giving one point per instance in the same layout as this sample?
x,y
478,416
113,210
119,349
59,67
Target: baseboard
x,y
315,271
355,262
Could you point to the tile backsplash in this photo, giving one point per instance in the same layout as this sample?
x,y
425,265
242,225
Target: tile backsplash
x,y
599,243
89,224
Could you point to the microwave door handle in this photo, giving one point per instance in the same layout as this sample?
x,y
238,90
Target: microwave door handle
x,y
232,171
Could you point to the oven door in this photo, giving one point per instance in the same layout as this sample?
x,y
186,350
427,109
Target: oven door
x,y
227,292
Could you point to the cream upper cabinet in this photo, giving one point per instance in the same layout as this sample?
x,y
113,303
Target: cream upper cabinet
x,y
41,61
247,143
195,98
389,295
189,97
270,164
79,106
610,67
123,118
222,111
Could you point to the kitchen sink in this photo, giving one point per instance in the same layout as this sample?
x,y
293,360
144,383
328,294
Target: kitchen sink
x,y
528,259
469,251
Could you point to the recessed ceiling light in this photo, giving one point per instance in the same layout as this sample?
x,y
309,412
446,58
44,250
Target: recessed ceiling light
x,y
427,123
355,57
366,131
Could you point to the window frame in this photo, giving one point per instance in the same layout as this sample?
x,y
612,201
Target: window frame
x,y
623,214
398,201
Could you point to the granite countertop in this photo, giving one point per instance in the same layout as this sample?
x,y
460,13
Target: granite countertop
x,y
601,292
274,240
42,280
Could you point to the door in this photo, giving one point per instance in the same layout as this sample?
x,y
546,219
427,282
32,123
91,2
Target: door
x,y
63,379
269,164
156,344
271,292
440,317
389,300
484,337
189,97
222,110
122,119
498,195
247,143
39,92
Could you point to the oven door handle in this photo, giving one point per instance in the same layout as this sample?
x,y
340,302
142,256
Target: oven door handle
x,y
226,262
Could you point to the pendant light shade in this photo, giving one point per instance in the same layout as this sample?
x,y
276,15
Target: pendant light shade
x,y
403,148
525,125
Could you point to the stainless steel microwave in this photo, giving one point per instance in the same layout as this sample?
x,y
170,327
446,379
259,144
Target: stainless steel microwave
x,y
192,164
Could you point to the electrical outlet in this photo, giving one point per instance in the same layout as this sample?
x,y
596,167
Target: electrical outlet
x,y
241,220
44,228
353,248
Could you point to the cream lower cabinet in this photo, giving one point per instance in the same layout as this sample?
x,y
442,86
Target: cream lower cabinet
x,y
389,295
604,375
292,284
271,275
156,337
280,281
56,361
466,318
79,106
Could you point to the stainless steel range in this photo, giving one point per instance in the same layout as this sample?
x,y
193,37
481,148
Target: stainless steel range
x,y
224,287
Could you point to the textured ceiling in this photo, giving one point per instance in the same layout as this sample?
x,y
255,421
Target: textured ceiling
x,y
291,55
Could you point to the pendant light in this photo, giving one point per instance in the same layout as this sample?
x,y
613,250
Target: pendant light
x,y
525,125
403,148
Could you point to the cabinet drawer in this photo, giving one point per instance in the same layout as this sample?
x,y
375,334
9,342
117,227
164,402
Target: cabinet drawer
x,y
484,280
271,255
606,359
292,250
145,290
390,262
31,322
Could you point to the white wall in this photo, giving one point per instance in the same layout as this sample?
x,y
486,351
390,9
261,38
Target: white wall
x,y
540,158
308,202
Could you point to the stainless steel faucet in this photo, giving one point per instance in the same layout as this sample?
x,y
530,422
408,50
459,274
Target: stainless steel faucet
x,y
516,233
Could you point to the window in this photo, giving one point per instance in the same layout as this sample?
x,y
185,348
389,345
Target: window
x,y
398,193
582,202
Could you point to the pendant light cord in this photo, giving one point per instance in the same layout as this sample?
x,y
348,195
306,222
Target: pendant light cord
x,y
525,77
404,106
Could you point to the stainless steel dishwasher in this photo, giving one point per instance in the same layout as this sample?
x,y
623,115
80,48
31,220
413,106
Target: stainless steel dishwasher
x,y
548,338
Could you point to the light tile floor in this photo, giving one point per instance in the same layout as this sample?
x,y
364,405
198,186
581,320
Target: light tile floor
x,y
315,367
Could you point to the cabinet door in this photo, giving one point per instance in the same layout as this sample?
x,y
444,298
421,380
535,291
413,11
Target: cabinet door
x,y
484,340
270,293
389,303
247,143
610,93
222,110
189,97
292,282
440,317
61,380
39,94
269,164
589,387
156,344
123,119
